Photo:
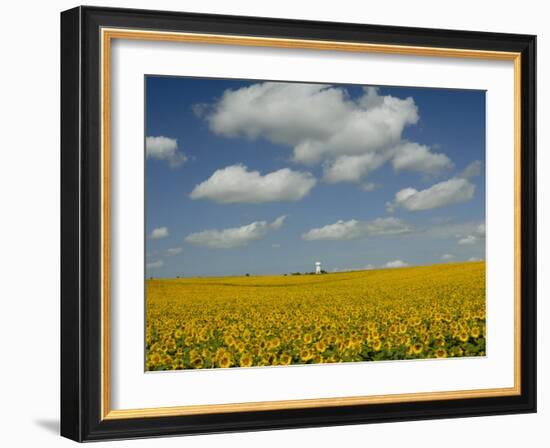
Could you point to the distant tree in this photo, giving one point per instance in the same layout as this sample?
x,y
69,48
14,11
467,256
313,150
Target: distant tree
x,y
247,275
323,271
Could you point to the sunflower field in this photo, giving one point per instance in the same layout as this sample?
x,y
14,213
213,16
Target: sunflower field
x,y
388,314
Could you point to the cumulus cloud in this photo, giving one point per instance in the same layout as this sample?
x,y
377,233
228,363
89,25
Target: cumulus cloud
x,y
164,148
236,184
352,168
395,264
348,230
447,257
414,157
323,123
472,170
340,230
442,194
475,259
234,236
159,232
478,234
174,250
318,122
369,267
155,264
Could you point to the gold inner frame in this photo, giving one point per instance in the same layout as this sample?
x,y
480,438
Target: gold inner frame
x,y
107,35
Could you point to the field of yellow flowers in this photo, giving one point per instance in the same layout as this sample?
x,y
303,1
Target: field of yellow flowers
x,y
418,312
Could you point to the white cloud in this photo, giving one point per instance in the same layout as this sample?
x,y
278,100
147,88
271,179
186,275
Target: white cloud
x,y
347,230
278,223
370,186
414,157
472,170
340,230
396,264
473,237
468,240
174,250
235,184
159,232
155,264
352,168
447,256
475,259
452,191
480,230
200,109
318,122
454,230
387,226
235,236
369,267
164,148
323,123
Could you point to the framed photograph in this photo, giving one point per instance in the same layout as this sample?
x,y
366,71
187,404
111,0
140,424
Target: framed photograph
x,y
276,224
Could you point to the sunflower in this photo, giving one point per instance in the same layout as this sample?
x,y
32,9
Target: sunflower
x,y
229,340
195,323
272,359
317,359
197,363
463,336
285,359
246,360
155,359
203,335
274,343
440,353
457,351
320,346
225,361
305,354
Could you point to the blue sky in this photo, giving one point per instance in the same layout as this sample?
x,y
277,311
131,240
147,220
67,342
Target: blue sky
x,y
267,178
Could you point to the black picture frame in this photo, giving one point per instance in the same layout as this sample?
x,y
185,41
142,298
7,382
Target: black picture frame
x,y
81,224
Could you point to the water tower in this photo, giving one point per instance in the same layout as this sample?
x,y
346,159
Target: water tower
x,y
317,267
